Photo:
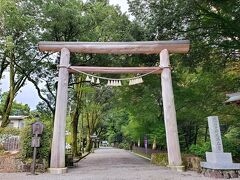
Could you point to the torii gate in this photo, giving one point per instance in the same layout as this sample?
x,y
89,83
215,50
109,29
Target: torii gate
x,y
57,165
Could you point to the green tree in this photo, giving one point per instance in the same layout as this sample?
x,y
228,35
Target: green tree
x,y
18,36
209,70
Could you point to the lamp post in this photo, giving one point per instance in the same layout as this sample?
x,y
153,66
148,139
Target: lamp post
x,y
37,129
97,139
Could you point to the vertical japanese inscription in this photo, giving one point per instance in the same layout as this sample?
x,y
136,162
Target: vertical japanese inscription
x,y
215,134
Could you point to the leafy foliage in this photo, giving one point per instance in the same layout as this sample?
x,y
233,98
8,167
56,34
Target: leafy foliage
x,y
124,146
200,149
202,77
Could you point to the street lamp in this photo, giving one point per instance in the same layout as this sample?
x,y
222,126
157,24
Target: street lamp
x,y
93,137
97,139
37,130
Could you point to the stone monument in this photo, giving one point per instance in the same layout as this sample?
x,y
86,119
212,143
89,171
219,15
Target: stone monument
x,y
217,159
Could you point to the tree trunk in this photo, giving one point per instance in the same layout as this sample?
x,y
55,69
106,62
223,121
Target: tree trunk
x,y
206,133
139,142
15,86
89,142
7,109
81,145
187,135
75,120
9,100
196,135
154,145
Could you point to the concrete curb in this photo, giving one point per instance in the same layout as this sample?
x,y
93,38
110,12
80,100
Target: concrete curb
x,y
141,156
84,156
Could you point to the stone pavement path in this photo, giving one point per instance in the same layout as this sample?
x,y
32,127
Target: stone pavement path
x,y
111,164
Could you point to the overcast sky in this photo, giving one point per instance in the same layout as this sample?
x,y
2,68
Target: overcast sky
x,y
123,4
28,94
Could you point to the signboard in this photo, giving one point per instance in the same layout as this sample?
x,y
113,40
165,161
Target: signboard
x,y
37,128
35,142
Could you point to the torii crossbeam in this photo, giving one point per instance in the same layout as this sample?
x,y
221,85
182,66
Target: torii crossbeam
x,y
139,47
57,165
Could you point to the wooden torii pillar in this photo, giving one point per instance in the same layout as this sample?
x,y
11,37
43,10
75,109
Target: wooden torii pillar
x,y
57,165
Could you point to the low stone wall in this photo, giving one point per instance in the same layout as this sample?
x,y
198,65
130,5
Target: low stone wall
x,y
226,174
193,163
12,163
190,162
9,163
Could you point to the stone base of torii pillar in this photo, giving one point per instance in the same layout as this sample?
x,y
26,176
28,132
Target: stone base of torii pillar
x,y
217,159
57,170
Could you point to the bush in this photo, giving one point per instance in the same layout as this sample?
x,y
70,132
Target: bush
x,y
229,145
160,159
232,146
200,149
123,146
9,130
26,138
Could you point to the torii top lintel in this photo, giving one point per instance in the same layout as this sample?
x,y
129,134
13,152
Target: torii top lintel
x,y
137,47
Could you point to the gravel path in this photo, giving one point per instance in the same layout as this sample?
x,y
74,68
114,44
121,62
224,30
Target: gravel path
x,y
111,164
